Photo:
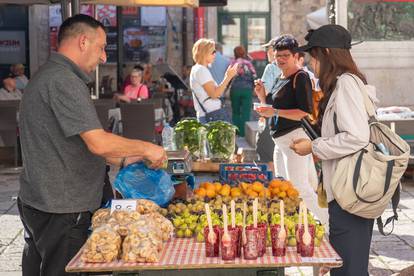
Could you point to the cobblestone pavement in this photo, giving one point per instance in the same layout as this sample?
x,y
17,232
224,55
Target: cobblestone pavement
x,y
389,255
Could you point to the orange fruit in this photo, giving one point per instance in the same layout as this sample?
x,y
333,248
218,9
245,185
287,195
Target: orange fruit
x,y
275,191
217,186
262,193
235,192
267,193
274,183
284,186
244,186
200,192
251,193
210,186
291,192
225,190
281,194
257,186
211,193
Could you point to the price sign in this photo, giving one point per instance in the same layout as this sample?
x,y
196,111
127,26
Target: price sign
x,y
123,205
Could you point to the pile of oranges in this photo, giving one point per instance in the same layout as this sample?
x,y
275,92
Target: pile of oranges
x,y
214,189
282,189
277,189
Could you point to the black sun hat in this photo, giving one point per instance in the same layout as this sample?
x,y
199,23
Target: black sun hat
x,y
328,36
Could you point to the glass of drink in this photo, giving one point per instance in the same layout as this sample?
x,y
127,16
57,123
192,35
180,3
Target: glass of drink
x,y
250,249
212,248
278,244
229,248
261,242
307,250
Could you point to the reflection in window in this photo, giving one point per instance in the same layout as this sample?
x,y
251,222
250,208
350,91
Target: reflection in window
x,y
377,20
256,34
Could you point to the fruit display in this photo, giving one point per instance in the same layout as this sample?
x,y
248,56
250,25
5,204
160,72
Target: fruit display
x,y
189,218
277,189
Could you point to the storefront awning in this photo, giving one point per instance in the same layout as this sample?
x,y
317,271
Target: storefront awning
x,y
180,3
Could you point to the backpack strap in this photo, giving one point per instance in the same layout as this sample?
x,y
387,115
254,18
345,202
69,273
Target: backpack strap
x,y
395,200
369,106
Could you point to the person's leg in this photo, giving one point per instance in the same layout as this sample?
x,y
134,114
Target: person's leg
x,y
298,168
31,259
235,107
57,237
278,161
350,236
245,108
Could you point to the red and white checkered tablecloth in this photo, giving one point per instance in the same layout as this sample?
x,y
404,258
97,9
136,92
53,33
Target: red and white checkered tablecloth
x,y
188,254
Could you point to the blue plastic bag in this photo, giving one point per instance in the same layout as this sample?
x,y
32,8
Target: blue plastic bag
x,y
138,181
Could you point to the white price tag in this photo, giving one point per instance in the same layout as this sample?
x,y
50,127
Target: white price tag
x,y
123,205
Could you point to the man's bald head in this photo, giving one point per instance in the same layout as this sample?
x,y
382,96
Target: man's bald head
x,y
78,25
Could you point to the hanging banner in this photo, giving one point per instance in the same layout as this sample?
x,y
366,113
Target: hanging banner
x,y
198,23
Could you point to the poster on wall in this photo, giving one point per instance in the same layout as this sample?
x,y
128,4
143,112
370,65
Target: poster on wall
x,y
106,14
154,16
87,10
12,47
145,44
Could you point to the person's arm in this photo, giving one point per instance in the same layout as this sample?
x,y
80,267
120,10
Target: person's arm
x,y
144,94
113,147
214,91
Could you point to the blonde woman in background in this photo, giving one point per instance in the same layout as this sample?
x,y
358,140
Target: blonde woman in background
x,y
206,92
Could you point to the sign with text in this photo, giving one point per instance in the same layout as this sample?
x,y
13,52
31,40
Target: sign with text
x,y
12,47
123,205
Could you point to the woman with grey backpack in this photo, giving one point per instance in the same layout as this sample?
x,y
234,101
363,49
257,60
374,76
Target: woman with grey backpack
x,y
358,154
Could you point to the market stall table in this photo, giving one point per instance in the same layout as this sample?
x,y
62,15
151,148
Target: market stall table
x,y
181,253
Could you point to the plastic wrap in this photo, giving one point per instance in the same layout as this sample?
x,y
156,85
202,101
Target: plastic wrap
x,y
103,246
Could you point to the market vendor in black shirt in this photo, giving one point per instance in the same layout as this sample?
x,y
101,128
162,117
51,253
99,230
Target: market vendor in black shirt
x,y
291,100
65,150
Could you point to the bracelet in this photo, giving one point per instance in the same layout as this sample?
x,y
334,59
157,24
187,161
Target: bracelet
x,y
122,162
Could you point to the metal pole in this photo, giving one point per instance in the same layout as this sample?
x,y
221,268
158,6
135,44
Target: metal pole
x,y
97,68
65,10
120,47
184,36
75,7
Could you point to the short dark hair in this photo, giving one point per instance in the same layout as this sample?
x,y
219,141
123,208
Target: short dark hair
x,y
286,42
76,25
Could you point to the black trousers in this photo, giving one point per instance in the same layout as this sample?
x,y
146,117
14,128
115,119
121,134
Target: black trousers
x,y
51,240
350,235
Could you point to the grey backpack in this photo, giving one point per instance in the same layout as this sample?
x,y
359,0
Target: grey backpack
x,y
366,181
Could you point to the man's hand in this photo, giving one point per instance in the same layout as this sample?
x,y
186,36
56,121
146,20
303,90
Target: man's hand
x,y
156,155
302,146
